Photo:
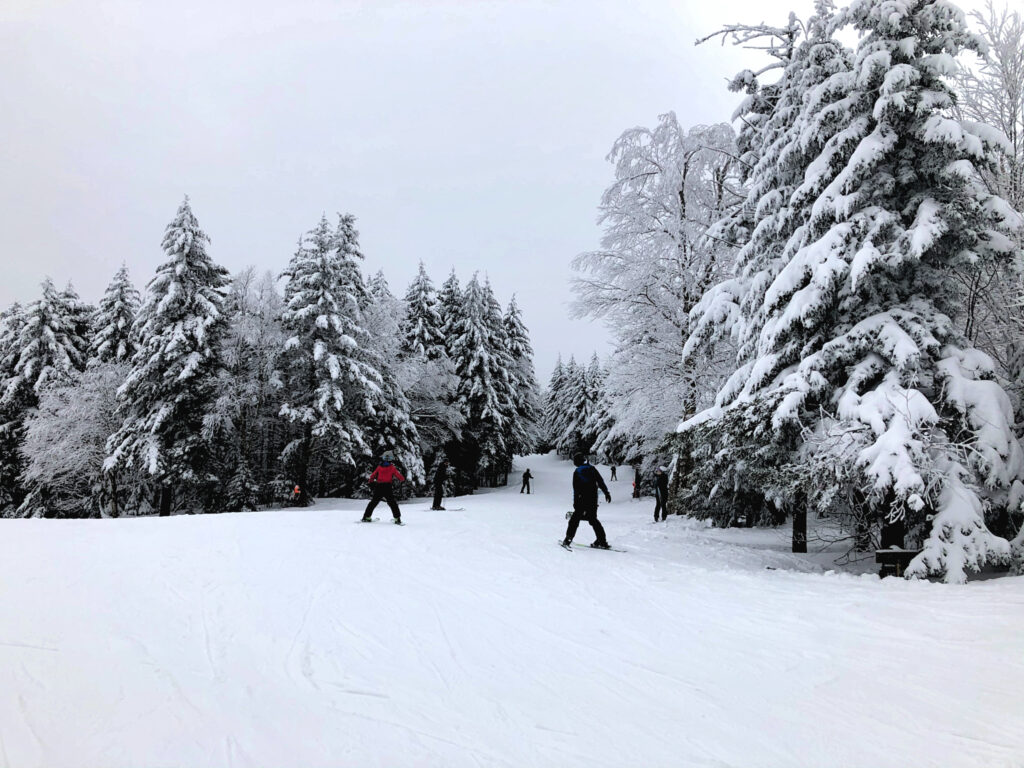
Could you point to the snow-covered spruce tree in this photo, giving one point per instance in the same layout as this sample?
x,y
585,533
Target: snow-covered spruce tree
x,y
554,398
785,127
329,387
13,403
64,447
49,347
112,341
572,410
421,327
390,429
524,382
857,331
168,398
449,307
517,432
483,392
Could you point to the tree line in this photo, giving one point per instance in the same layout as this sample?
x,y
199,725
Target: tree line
x,y
216,393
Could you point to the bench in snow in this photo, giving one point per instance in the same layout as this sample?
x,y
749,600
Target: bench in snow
x,y
894,560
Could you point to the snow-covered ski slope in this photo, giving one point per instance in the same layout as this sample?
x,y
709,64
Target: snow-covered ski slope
x,y
295,638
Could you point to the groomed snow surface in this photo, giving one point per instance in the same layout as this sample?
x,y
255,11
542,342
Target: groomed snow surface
x,y
300,638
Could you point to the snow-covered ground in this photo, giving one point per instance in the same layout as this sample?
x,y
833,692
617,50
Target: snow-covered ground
x,y
299,638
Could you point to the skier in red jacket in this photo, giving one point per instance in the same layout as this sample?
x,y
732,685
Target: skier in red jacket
x,y
381,487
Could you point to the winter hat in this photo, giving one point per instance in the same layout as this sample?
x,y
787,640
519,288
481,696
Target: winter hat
x,y
579,459
387,457
662,469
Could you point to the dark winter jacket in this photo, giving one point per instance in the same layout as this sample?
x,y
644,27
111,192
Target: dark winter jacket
x,y
585,482
527,475
385,473
440,475
661,485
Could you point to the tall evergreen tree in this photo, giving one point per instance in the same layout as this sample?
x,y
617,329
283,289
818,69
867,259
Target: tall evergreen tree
x,y
169,394
330,387
856,334
421,328
525,391
450,308
113,341
49,347
13,404
483,391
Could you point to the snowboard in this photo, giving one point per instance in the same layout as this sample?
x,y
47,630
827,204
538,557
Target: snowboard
x,y
447,509
570,548
375,520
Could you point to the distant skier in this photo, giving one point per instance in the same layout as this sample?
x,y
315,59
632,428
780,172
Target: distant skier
x,y
585,482
636,481
614,476
527,477
439,477
660,493
381,487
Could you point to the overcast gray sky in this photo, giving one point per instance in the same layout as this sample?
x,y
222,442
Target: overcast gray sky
x,y
466,134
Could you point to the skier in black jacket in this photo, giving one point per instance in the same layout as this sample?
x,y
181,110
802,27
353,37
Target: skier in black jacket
x,y
660,493
439,477
527,477
585,482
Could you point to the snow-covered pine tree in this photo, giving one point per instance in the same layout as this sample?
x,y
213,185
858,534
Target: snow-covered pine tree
x,y
735,462
81,315
169,394
113,341
576,410
13,403
554,399
49,347
421,328
330,388
524,381
857,333
390,428
450,308
483,390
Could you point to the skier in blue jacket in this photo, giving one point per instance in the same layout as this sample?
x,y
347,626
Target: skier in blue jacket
x,y
586,481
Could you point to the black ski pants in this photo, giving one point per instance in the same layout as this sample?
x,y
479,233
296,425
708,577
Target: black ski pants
x,y
526,486
660,506
385,492
590,515
438,494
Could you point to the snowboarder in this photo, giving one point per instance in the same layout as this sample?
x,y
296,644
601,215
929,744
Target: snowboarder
x,y
439,477
660,493
614,476
382,488
585,482
527,477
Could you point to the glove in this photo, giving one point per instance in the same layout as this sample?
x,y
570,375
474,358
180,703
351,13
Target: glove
x,y
608,498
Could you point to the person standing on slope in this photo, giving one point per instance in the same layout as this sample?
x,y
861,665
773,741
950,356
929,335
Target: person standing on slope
x,y
585,482
660,493
614,476
439,477
381,487
527,477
